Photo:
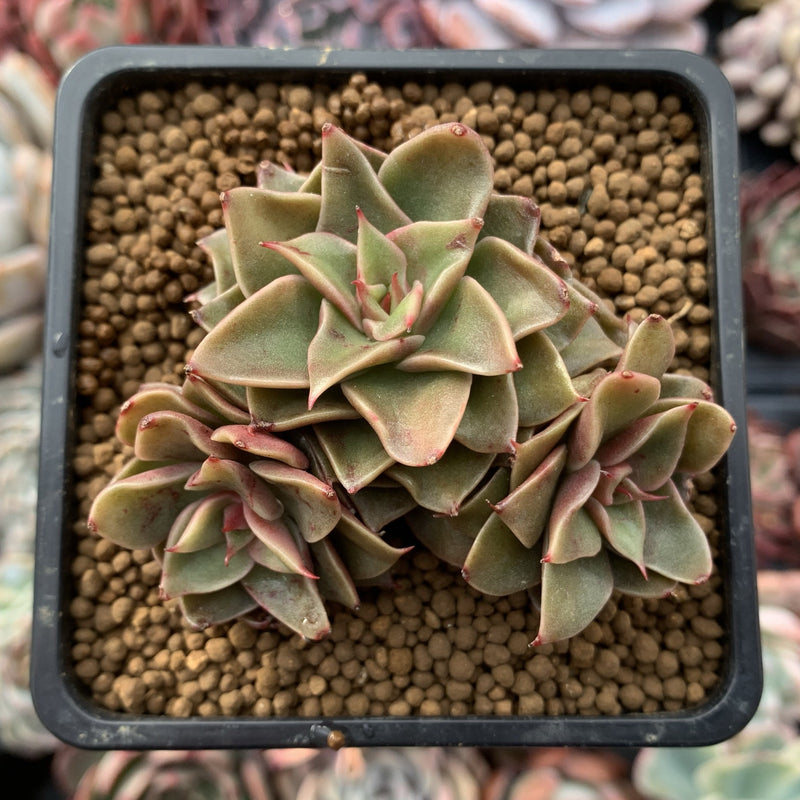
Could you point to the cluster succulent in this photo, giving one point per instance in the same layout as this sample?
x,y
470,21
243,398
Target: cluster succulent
x,y
770,208
392,338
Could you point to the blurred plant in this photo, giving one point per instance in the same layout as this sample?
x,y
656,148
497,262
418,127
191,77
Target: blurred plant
x,y
763,760
27,102
775,485
770,209
161,774
21,732
758,54
559,773
57,32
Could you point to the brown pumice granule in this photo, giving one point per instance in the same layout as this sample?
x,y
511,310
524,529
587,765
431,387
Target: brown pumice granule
x,y
616,175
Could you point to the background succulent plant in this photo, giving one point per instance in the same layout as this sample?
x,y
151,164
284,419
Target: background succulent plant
x,y
770,208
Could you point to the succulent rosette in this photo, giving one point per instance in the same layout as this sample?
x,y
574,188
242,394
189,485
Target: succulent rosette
x,y
399,306
596,499
240,525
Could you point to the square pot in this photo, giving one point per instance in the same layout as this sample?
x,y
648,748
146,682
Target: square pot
x,y
92,88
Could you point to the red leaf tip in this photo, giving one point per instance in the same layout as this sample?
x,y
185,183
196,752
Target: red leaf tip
x,y
457,129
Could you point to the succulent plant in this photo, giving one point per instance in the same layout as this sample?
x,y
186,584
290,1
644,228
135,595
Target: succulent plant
x,y
237,521
430,773
759,55
564,23
775,486
596,499
770,210
161,774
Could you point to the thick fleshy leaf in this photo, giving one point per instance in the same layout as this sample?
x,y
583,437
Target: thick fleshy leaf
x,y
328,263
606,316
708,436
236,540
377,506
210,314
265,340
437,255
262,215
589,349
675,545
279,179
629,579
569,325
400,321
260,443
498,564
514,219
308,501
365,554
415,415
445,172
137,512
214,608
334,582
543,385
531,296
530,453
200,525
650,349
618,400
171,435
685,386
623,526
291,599
338,350
470,335
285,409
227,402
276,536
349,181
221,474
378,257
652,446
491,417
552,259
157,397
573,594
354,451
526,510
441,487
207,570
218,249
611,476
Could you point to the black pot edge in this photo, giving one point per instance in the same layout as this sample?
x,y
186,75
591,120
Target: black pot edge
x,y
59,701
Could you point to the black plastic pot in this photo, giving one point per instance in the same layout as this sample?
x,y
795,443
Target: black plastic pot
x,y
104,75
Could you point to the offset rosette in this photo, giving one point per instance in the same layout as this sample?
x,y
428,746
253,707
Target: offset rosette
x,y
596,499
239,524
396,304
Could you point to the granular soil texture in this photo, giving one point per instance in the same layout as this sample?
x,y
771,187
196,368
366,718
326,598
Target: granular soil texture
x,y
617,177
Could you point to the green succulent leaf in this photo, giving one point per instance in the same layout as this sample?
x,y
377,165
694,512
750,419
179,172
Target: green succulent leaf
x,y
684,386
217,247
349,181
628,578
207,570
262,215
650,349
526,510
354,451
605,314
442,487
199,525
264,341
310,503
214,608
210,314
226,402
531,296
491,417
543,385
334,582
589,349
171,435
573,594
675,545
338,351
292,599
276,536
708,436
552,259
278,179
285,409
259,443
618,399
445,172
379,259
471,335
498,564
514,219
415,415
138,511
377,506
623,527
364,552
437,255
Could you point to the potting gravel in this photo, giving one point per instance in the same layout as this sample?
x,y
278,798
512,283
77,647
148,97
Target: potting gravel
x,y
617,177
